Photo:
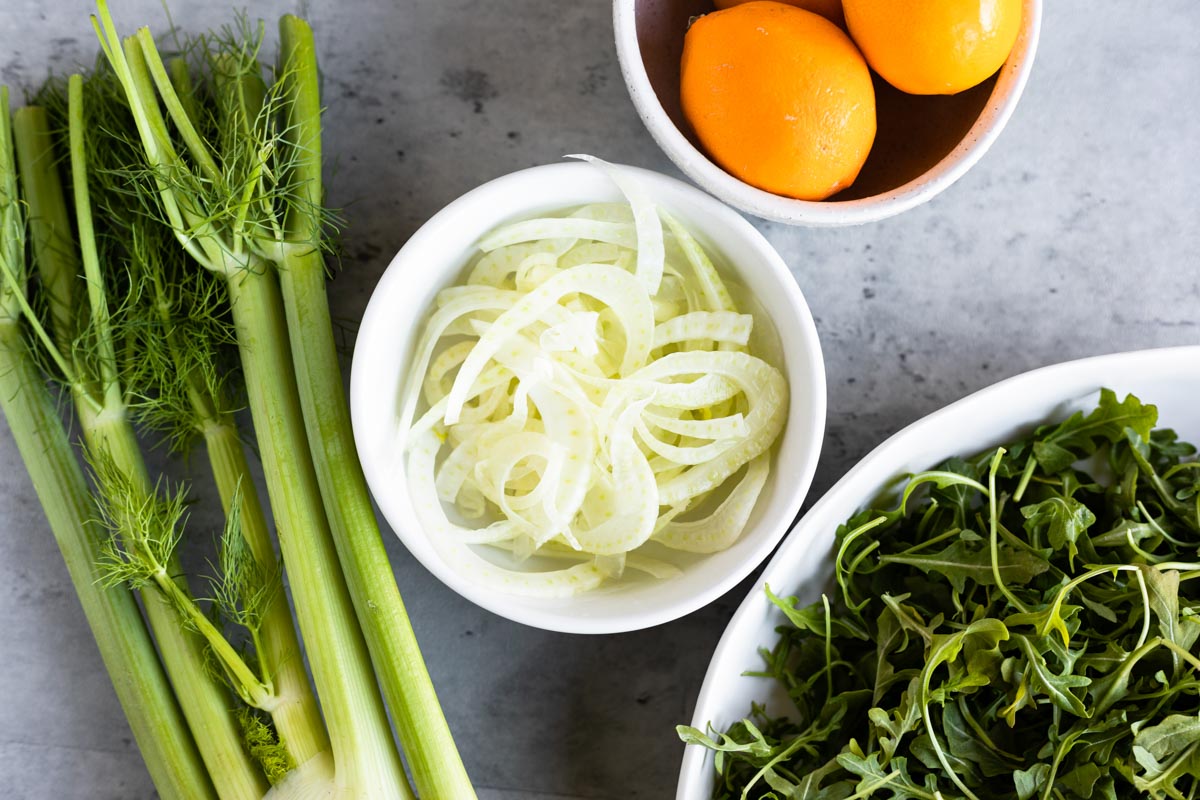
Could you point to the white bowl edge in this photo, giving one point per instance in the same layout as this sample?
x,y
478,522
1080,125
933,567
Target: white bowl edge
x,y
697,166
1013,405
373,387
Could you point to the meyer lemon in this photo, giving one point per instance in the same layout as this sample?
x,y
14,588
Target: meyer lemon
x,y
779,97
934,46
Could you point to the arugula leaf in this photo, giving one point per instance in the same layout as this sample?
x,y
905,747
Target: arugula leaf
x,y
891,637
891,726
1029,782
1163,588
810,788
895,779
1174,734
1057,688
1062,520
967,561
812,618
1077,678
1060,446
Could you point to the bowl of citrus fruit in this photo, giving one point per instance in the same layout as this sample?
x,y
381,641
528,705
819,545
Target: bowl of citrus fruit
x,y
826,112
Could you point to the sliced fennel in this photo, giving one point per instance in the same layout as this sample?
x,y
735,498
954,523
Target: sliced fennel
x,y
587,401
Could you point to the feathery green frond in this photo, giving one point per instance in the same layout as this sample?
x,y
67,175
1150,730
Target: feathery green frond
x,y
175,341
243,589
265,745
144,528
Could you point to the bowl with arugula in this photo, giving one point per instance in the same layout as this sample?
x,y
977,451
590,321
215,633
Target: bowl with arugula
x,y
998,602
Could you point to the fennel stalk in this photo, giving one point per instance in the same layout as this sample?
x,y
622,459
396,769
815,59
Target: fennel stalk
x,y
87,357
217,205
437,768
125,646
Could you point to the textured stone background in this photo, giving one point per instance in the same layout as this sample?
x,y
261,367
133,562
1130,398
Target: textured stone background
x,y
1076,235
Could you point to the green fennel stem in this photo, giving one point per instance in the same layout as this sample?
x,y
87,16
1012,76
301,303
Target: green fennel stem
x,y
184,392
437,768
294,708
181,79
205,702
296,714
108,433
49,227
209,228
125,646
421,726
52,225
365,758
257,694
154,716
109,390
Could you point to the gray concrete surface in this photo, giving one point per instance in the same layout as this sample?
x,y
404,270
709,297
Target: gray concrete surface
x,y
1076,235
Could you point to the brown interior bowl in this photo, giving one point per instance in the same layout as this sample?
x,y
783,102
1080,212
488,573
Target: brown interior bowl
x,y
914,132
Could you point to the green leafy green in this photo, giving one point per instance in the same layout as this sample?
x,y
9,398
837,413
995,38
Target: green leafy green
x,y
264,744
1019,624
1063,444
966,561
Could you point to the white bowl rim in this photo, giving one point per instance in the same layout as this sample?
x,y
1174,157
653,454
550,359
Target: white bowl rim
x,y
1070,373
696,165
798,485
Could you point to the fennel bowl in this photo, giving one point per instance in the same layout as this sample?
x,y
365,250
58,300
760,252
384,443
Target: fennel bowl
x,y
1168,378
437,256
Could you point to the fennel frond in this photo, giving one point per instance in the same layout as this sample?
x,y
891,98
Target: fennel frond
x,y
32,414
84,345
223,192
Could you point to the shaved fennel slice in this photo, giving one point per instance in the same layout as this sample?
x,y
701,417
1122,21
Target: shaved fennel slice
x,y
650,252
567,419
688,456
731,427
590,253
618,233
577,333
535,270
605,212
703,392
495,268
612,286
654,567
494,473
455,469
489,402
521,357
712,326
719,530
765,389
434,329
451,541
706,274
447,296
434,386
631,509
492,378
589,384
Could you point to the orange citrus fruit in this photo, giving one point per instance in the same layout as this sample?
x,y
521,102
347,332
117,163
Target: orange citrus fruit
x,y
934,46
779,97
829,9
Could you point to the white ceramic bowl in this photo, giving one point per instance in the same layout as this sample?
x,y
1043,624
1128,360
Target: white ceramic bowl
x,y
435,257
1168,378
924,144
